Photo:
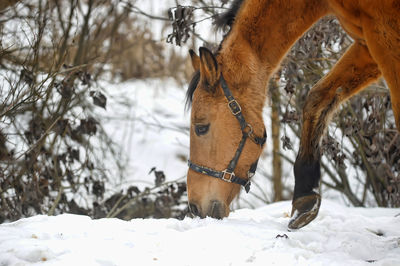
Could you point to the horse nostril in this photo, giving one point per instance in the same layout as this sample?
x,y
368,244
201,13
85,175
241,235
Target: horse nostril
x,y
216,210
193,209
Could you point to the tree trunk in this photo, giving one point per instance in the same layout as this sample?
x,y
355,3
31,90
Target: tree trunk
x,y
275,126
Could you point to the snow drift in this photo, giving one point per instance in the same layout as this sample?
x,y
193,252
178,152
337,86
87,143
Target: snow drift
x,y
339,236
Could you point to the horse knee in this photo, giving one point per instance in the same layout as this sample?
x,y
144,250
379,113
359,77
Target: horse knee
x,y
312,101
316,100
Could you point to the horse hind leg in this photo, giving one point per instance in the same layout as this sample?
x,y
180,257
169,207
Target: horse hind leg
x,y
395,97
383,40
355,70
392,78
390,67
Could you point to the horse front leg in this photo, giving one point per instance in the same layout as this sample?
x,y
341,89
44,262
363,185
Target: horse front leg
x,y
355,70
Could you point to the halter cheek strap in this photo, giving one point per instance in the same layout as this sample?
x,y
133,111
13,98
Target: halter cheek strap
x,y
228,174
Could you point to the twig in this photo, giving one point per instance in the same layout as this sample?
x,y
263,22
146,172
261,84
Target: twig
x,y
134,9
56,201
115,206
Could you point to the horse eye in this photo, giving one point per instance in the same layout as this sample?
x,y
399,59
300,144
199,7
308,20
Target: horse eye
x,y
201,129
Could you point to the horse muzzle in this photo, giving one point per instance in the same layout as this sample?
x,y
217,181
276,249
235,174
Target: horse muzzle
x,y
214,209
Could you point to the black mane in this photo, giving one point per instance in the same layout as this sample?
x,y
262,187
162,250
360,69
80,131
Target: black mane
x,y
227,18
222,21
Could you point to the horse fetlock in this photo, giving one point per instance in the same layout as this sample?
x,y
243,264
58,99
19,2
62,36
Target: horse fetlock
x,y
307,173
304,210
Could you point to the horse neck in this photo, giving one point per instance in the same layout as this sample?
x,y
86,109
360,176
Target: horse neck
x,y
264,31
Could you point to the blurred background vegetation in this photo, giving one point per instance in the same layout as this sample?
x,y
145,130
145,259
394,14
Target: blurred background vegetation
x,y
53,54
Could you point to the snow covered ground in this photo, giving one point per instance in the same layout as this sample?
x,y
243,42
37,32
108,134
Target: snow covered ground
x,y
339,236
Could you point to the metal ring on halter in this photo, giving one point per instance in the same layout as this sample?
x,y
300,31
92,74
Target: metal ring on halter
x,y
250,133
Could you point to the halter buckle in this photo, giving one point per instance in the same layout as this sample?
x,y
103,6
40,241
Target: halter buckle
x,y
234,106
231,174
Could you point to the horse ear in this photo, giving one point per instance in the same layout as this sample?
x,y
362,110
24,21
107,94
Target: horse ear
x,y
209,67
195,60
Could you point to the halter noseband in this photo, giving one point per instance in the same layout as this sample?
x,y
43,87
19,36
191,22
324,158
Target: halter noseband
x,y
228,175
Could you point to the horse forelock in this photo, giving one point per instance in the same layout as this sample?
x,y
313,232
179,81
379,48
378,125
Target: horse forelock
x,y
192,87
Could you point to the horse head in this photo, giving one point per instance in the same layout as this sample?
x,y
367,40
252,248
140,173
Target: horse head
x,y
227,134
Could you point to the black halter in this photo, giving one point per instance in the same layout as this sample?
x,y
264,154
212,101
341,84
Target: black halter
x,y
228,175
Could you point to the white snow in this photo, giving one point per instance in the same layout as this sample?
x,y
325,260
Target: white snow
x,y
339,236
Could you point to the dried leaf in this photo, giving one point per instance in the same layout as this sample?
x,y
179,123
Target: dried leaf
x,y
160,176
286,143
182,21
99,99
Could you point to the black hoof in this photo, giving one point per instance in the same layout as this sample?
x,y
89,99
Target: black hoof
x,y
304,210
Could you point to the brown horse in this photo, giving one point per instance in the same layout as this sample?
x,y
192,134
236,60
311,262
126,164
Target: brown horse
x,y
225,138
